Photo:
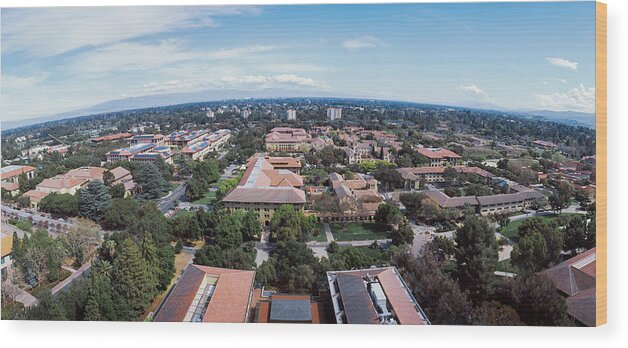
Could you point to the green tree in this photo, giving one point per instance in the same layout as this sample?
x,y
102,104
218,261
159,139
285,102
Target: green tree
x,y
251,227
24,202
402,235
152,181
476,256
132,279
538,302
575,235
493,313
108,178
117,191
65,205
388,214
538,247
94,200
266,273
186,227
121,213
439,295
290,224
216,256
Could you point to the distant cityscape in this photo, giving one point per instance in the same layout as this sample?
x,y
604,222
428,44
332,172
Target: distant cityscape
x,y
300,211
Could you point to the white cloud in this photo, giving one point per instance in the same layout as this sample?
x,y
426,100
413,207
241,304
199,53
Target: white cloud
x,y
362,42
292,67
13,82
52,31
235,82
126,56
580,98
563,63
473,90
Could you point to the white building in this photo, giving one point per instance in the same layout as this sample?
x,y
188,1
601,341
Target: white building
x,y
245,113
209,113
334,113
291,114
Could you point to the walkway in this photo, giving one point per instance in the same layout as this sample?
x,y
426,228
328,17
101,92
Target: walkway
x,y
263,248
26,299
330,236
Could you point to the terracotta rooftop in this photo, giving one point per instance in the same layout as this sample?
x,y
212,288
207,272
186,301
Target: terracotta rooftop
x,y
576,278
35,195
14,170
87,173
436,153
229,302
61,182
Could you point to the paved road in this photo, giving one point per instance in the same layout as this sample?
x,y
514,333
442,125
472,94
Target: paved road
x,y
228,172
9,229
26,299
422,235
167,203
36,218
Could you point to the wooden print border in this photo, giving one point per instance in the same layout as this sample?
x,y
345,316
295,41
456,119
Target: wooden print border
x,y
600,160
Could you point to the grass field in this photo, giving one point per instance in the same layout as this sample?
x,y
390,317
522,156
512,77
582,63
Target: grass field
x,y
208,198
375,254
358,231
183,212
322,237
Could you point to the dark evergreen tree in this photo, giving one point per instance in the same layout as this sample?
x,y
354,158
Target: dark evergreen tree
x,y
476,256
94,200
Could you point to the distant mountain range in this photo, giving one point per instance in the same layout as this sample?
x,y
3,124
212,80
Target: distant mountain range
x,y
566,117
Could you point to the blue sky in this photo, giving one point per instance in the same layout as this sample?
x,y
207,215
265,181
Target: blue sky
x,y
512,55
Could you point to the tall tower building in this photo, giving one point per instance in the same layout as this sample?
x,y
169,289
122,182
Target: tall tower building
x,y
334,113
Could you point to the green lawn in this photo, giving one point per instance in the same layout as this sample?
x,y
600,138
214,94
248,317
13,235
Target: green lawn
x,y
183,212
358,231
375,254
208,198
322,237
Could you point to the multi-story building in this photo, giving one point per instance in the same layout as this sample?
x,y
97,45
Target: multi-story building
x,y
414,176
10,177
488,205
245,113
291,114
376,296
210,113
125,154
111,137
334,114
263,189
155,139
210,295
439,157
285,139
163,152
186,138
197,151
358,198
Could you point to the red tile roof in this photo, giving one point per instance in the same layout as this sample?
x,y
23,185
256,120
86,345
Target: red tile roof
x,y
436,153
228,304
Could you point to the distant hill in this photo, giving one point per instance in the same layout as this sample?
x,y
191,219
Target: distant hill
x,y
565,117
166,100
573,118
